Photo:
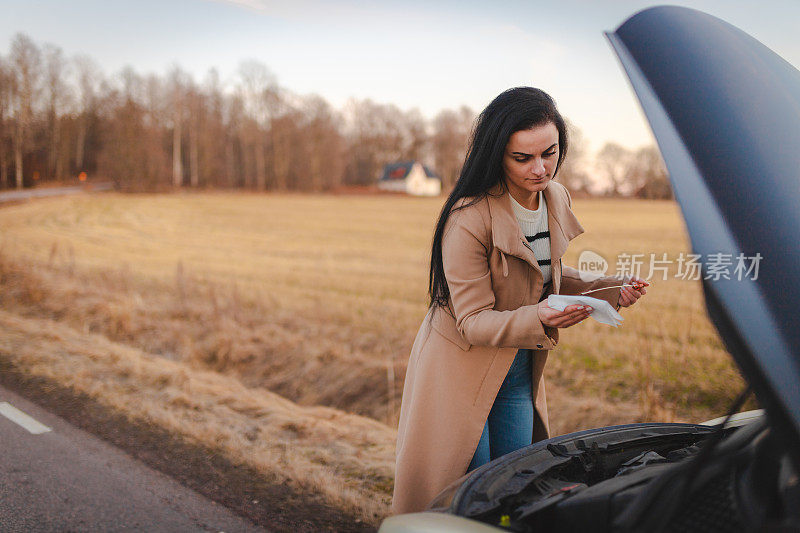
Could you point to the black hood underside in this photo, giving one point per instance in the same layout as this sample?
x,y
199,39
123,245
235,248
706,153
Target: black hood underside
x,y
725,111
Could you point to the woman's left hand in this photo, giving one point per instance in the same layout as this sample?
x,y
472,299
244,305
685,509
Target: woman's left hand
x,y
629,295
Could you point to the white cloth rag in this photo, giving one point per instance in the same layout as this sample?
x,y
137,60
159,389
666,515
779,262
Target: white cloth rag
x,y
601,309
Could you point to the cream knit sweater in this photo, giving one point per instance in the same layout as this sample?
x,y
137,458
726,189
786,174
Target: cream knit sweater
x,y
535,228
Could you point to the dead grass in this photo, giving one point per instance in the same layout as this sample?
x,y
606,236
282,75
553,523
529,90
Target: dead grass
x,y
346,458
307,357
317,299
286,290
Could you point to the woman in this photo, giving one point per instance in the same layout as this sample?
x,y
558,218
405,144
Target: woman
x,y
473,387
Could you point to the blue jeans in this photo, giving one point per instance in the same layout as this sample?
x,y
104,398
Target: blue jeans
x,y
510,423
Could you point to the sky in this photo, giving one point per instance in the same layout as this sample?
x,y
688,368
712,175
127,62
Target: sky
x,y
429,55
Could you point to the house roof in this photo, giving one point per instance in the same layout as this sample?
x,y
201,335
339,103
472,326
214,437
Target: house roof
x,y
400,170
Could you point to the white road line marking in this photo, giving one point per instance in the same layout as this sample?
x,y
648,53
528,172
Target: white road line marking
x,y
18,417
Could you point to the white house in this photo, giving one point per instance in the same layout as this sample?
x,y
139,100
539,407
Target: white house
x,y
410,177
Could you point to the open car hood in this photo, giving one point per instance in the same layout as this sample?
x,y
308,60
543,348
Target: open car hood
x,y
725,111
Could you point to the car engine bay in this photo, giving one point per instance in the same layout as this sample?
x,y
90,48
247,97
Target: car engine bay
x,y
640,477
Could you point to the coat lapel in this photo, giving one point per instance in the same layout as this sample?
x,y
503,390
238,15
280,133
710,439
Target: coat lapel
x,y
507,235
563,225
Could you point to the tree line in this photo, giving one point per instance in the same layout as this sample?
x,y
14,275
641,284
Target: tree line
x,y
63,117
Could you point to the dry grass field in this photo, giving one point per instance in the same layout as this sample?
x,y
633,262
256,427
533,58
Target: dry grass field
x,y
234,317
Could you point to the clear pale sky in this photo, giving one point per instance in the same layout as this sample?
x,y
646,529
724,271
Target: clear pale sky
x,y
427,54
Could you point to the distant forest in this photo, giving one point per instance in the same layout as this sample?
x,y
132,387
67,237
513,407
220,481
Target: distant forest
x,y
60,117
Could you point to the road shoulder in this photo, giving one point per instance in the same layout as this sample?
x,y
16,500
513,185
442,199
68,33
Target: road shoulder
x,y
206,471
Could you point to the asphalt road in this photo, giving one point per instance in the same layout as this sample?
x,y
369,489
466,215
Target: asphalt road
x,y
26,194
55,477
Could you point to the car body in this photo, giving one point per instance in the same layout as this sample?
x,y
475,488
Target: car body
x,y
725,111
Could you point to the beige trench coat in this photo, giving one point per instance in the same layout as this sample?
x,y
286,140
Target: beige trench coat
x,y
462,354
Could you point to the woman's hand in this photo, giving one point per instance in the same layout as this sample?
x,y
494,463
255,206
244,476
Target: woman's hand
x,y
571,315
629,295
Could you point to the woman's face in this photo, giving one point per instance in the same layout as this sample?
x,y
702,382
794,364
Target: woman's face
x,y
530,159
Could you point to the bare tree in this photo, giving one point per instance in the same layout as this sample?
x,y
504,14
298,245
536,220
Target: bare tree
x,y
155,122
451,133
5,107
446,146
649,175
641,173
614,162
284,138
213,140
234,117
572,174
56,88
178,84
195,120
375,135
259,93
322,146
25,60
88,77
415,133
124,157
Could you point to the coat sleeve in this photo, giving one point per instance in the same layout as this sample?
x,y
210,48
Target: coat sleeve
x,y
466,246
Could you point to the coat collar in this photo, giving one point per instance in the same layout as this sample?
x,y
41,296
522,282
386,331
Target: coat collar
x,y
507,234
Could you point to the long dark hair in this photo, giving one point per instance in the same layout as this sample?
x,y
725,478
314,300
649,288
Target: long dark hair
x,y
516,109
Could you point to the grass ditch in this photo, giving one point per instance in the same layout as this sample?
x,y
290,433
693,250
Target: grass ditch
x,y
345,460
307,356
